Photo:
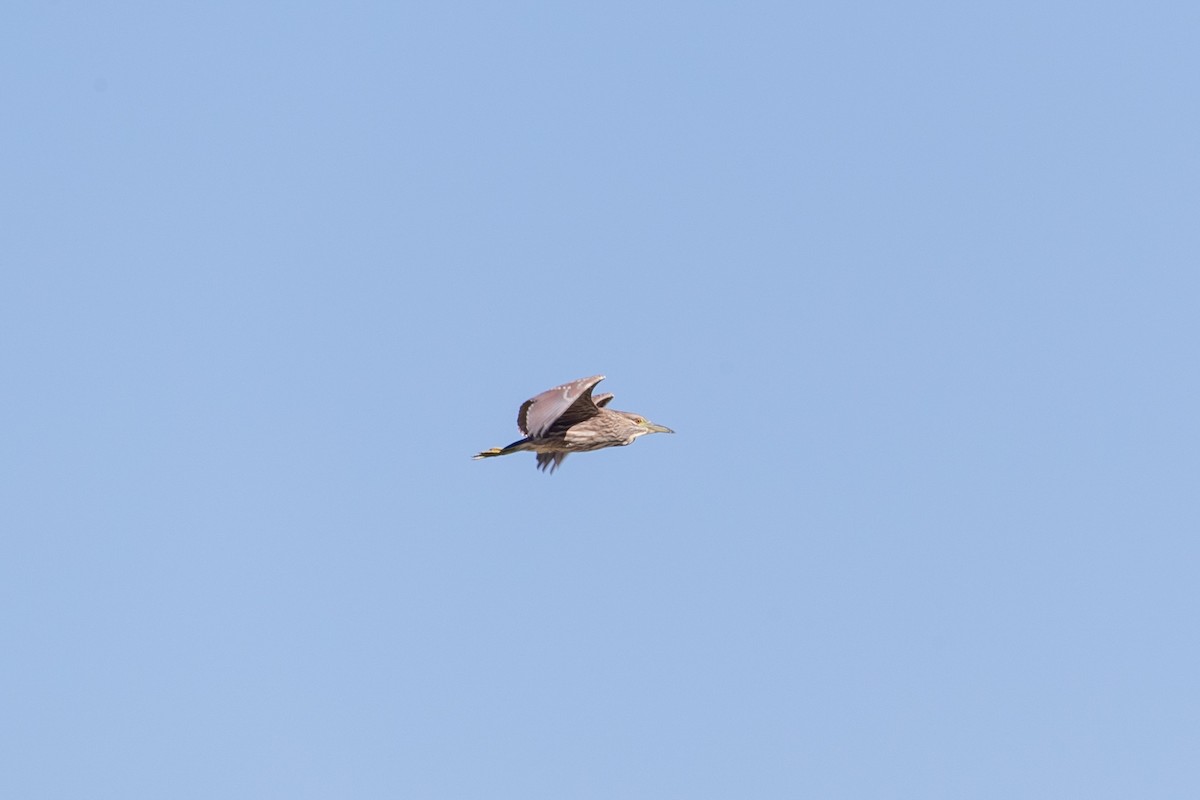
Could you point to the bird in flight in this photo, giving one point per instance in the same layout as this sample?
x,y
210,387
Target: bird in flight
x,y
569,419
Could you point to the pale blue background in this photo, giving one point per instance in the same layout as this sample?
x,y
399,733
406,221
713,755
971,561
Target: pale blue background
x,y
918,285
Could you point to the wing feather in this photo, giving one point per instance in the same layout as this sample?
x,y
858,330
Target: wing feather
x,y
551,460
538,413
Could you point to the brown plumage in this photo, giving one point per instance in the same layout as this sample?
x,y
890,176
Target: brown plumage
x,y
568,419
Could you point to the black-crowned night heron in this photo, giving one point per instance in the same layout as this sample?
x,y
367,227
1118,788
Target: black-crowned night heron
x,y
567,419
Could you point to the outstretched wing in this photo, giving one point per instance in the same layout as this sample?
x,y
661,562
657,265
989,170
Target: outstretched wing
x,y
572,399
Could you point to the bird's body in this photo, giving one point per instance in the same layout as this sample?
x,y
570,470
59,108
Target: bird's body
x,y
568,419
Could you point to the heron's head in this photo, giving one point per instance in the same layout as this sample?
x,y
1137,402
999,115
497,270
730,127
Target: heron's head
x,y
640,426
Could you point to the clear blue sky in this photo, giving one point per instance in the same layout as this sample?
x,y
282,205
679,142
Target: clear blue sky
x,y
918,285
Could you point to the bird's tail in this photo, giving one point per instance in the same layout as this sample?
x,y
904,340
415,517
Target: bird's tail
x,y
515,447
